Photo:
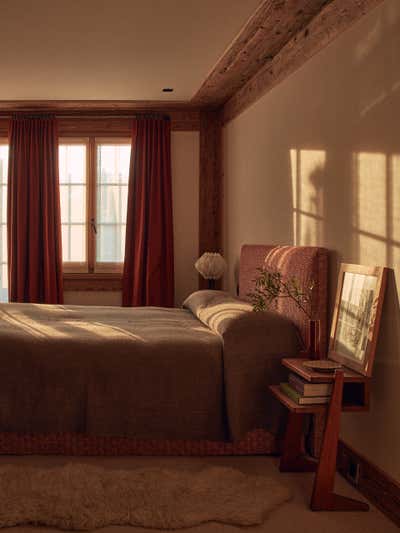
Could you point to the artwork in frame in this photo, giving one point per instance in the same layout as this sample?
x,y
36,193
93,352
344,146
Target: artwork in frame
x,y
356,317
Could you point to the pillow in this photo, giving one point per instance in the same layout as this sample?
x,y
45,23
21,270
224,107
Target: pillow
x,y
216,308
226,314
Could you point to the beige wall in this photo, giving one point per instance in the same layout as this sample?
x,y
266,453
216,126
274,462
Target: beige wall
x,y
317,161
185,184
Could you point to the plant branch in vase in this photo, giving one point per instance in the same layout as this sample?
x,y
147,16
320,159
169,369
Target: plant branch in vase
x,y
270,285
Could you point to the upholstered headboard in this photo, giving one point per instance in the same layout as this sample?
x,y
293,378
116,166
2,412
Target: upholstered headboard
x,y
306,263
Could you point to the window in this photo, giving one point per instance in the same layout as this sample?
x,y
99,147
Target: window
x,y
73,170
94,176
3,220
112,197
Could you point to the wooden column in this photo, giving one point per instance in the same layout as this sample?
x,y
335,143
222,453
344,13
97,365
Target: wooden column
x,y
210,185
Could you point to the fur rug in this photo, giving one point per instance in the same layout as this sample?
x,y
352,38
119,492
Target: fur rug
x,y
84,497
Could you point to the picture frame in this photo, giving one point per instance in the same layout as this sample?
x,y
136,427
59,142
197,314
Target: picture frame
x,y
356,317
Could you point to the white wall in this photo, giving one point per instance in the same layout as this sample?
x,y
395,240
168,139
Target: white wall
x,y
185,188
317,161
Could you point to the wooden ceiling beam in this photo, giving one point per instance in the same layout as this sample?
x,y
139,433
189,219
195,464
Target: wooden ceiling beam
x,y
332,20
272,25
278,39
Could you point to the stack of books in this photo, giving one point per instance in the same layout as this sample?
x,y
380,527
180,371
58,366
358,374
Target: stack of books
x,y
306,393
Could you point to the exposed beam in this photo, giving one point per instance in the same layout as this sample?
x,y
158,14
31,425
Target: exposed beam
x,y
335,18
273,24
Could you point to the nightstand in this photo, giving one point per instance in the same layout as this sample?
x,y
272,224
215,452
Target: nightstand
x,y
350,393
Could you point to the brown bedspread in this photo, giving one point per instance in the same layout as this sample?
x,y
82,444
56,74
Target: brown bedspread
x,y
144,372
196,373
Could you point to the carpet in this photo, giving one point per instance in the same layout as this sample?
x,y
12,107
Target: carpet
x,y
85,497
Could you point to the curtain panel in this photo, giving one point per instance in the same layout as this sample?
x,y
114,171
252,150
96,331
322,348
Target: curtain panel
x,y
33,212
148,277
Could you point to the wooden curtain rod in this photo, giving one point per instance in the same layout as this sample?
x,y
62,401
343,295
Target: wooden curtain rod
x,y
93,116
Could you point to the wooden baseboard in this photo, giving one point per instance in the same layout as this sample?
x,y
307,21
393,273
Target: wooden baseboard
x,y
377,486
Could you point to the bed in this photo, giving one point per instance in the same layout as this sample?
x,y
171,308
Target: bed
x,y
107,381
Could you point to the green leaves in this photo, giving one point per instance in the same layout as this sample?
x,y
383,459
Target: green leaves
x,y
270,285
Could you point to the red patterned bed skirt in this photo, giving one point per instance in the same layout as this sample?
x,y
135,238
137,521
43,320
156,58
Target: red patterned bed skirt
x,y
258,442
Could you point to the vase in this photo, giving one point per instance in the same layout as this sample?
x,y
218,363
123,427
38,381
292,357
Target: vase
x,y
313,340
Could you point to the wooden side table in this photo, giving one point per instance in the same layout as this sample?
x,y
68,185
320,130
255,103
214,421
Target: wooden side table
x,y
350,393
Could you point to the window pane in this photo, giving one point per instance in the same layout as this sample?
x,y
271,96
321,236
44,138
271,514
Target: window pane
x,y
73,203
3,223
3,203
78,239
64,199
3,283
113,163
74,242
112,190
3,237
108,206
124,203
66,241
72,161
111,243
3,163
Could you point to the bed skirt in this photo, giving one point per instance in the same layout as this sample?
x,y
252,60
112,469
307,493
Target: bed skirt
x,y
257,442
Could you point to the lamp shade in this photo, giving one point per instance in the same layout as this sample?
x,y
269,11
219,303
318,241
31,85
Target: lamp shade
x,y
211,265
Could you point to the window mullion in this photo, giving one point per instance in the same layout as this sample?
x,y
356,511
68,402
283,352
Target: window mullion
x,y
91,210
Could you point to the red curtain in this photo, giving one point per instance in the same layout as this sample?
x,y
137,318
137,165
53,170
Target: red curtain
x,y
33,213
148,277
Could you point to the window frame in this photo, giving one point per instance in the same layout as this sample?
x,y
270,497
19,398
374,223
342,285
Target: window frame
x,y
104,267
75,267
4,141
80,275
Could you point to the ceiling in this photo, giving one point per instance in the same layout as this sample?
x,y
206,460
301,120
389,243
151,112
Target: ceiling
x,y
113,49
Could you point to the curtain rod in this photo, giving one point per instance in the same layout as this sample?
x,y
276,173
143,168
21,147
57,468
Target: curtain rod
x,y
94,116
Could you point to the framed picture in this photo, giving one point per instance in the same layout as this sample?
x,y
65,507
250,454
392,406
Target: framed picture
x,y
356,317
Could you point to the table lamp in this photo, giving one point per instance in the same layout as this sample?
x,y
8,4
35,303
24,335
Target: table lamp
x,y
211,266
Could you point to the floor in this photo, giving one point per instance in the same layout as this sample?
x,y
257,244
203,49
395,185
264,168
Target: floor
x,y
293,517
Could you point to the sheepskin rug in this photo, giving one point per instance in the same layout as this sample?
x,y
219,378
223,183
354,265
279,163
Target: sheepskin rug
x,y
84,497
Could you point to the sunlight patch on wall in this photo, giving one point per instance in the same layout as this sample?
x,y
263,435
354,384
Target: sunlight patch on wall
x,y
377,208
372,190
395,208
307,168
371,251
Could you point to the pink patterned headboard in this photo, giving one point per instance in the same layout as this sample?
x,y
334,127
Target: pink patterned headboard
x,y
306,263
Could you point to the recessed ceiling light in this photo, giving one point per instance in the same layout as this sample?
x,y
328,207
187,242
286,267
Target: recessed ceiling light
x,y
168,90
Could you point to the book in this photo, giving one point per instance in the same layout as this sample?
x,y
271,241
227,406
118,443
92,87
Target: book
x,y
302,400
309,389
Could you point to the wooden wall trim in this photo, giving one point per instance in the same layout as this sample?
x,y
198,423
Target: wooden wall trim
x,y
271,26
377,486
103,115
210,184
115,126
333,19
93,106
92,282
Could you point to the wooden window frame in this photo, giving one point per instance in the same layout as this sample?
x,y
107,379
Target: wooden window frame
x,y
4,141
72,267
92,275
104,267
